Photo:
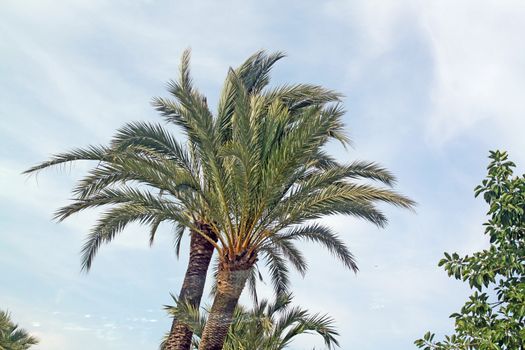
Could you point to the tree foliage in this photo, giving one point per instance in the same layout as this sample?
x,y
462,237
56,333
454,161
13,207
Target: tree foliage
x,y
11,336
494,315
252,172
267,326
255,172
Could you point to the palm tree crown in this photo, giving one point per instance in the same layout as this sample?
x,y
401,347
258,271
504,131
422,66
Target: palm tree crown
x,y
251,180
270,179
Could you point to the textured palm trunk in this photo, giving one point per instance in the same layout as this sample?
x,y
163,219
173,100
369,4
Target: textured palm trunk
x,y
201,251
231,280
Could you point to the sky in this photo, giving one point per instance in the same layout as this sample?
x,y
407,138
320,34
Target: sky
x,y
430,87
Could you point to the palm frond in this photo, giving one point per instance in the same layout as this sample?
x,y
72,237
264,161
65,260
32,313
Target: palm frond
x,y
254,76
289,251
178,234
115,196
278,270
152,137
300,96
187,313
324,236
115,219
317,323
97,153
338,198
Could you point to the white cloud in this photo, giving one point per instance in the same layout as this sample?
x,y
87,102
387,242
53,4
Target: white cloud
x,y
92,99
375,22
478,53
477,60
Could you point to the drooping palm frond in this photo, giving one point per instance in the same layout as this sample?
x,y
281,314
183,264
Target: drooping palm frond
x,y
321,324
96,153
277,268
322,235
115,219
289,251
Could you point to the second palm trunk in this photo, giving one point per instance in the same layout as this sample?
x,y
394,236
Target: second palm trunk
x,y
201,251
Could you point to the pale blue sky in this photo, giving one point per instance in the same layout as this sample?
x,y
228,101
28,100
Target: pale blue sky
x,y
430,87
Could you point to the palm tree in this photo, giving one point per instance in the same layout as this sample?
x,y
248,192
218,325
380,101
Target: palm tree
x,y
268,326
129,180
12,337
145,175
263,164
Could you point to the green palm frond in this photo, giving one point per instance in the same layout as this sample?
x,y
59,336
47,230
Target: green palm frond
x,y
336,198
288,318
116,196
254,75
115,219
289,251
189,314
255,71
109,225
321,324
252,283
151,137
358,170
278,269
324,236
178,234
96,153
300,96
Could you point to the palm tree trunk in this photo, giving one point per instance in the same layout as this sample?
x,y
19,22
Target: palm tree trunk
x,y
231,280
201,251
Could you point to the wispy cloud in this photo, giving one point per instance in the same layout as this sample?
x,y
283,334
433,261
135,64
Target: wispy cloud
x,y
430,87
